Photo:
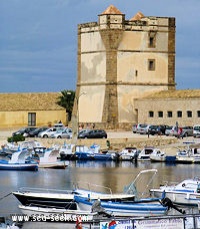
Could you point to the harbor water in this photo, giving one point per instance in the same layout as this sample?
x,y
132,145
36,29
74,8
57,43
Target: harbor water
x,y
109,174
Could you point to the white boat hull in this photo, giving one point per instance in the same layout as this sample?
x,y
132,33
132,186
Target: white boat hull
x,y
59,164
52,214
179,198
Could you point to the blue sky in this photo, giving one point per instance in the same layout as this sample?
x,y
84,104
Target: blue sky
x,y
38,40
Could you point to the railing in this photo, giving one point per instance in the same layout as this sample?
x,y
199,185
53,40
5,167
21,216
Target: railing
x,y
179,221
92,187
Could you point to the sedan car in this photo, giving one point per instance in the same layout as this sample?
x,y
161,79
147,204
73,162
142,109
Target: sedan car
x,y
34,133
142,128
187,131
47,133
82,133
153,129
65,133
24,131
94,134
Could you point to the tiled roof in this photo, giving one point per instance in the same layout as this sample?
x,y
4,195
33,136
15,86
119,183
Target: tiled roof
x,y
137,17
112,10
29,101
176,94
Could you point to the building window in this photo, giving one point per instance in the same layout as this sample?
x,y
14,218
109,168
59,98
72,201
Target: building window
x,y
152,39
151,64
169,114
189,114
151,114
160,114
179,114
32,119
136,72
198,114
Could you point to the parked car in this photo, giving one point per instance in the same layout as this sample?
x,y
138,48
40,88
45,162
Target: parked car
x,y
47,133
187,131
23,131
62,133
142,128
94,134
163,128
153,129
168,130
196,131
173,131
82,132
34,133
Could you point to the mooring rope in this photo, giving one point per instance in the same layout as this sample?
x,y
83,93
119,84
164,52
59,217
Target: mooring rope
x,y
5,196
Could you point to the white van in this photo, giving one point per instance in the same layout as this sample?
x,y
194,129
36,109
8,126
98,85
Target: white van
x,y
196,131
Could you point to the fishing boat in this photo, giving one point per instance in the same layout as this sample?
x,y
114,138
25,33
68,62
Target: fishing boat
x,y
49,213
48,158
145,153
64,198
188,153
66,152
186,192
157,156
106,155
142,207
128,154
94,152
18,161
48,197
83,152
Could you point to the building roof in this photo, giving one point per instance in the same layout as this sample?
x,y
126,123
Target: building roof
x,y
137,17
29,101
112,10
174,94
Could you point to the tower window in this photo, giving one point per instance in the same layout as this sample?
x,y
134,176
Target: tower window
x,y
198,114
151,64
151,114
179,114
189,114
160,114
152,39
169,114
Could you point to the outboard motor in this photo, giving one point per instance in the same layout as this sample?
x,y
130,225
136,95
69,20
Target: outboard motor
x,y
166,202
96,207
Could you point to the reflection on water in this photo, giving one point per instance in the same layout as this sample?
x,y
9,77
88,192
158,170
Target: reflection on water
x,y
109,174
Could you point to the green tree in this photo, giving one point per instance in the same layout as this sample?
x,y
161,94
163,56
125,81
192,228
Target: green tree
x,y
66,100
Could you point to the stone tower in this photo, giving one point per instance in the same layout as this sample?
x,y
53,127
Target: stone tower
x,y
120,60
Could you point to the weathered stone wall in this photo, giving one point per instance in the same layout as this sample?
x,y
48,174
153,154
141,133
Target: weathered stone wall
x,y
113,59
165,105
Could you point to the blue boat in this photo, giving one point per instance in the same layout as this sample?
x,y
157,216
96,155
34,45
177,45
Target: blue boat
x,y
93,152
142,207
83,152
18,162
4,165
